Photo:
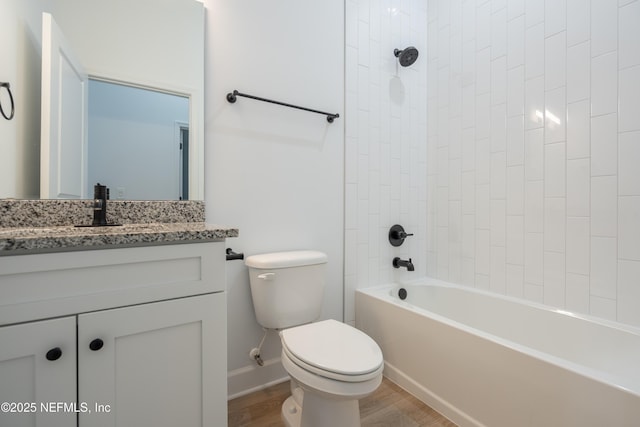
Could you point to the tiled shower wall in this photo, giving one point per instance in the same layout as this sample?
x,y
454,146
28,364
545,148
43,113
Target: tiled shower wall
x,y
385,149
534,150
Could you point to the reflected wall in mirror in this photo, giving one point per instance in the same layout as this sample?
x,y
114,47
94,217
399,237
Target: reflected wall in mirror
x,y
138,141
135,42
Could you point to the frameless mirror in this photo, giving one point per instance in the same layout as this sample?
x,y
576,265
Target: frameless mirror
x,y
125,45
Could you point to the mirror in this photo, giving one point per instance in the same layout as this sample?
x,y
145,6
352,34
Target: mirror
x,y
132,43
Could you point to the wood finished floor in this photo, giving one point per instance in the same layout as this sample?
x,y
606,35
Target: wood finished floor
x,y
389,406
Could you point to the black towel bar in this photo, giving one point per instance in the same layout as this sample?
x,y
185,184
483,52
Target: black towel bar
x,y
232,97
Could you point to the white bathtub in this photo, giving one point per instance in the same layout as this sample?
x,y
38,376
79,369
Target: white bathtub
x,y
485,360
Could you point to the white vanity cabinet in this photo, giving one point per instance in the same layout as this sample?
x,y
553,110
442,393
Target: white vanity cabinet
x,y
141,334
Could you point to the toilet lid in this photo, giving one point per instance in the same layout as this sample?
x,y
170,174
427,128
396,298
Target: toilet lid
x,y
333,346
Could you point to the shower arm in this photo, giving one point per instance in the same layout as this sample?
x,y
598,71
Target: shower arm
x,y
231,97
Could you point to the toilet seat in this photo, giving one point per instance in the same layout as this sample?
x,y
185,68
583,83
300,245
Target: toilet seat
x,y
333,350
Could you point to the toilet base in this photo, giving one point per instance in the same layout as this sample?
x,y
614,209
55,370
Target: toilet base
x,y
320,411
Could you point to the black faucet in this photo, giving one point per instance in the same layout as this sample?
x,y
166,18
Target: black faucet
x,y
100,197
397,263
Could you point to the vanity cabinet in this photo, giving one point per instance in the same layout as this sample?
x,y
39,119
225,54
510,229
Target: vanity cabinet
x,y
141,334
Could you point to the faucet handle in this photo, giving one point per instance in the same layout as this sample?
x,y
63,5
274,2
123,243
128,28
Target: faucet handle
x,y
397,235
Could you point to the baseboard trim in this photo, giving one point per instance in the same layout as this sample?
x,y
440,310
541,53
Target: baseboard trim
x,y
252,378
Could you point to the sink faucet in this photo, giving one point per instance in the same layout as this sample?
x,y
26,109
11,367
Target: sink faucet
x,y
100,197
397,263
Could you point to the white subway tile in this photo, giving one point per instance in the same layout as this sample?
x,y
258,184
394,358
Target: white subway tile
x,y
515,190
555,170
629,32
468,183
534,103
629,228
455,179
533,292
604,308
499,80
534,50
483,282
555,16
468,149
578,72
515,280
533,258
555,60
604,26
515,42
497,274
628,164
515,91
554,224
499,34
515,8
483,26
498,128
603,266
578,241
498,222
468,21
534,10
515,239
555,114
515,140
533,206
483,116
534,154
604,206
468,236
483,254
483,71
578,130
604,145
468,106
578,21
364,50
577,293
554,279
629,99
483,207
628,292
498,175
483,161
604,83
578,187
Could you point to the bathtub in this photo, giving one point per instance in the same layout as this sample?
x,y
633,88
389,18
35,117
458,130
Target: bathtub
x,y
486,360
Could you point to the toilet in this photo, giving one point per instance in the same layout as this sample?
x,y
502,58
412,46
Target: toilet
x,y
331,364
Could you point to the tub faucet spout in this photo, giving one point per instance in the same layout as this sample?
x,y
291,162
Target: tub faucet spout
x,y
397,263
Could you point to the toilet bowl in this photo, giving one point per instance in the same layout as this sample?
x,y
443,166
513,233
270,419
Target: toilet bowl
x,y
334,365
331,364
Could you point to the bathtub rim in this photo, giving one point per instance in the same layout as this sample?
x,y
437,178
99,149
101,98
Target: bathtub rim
x,y
386,292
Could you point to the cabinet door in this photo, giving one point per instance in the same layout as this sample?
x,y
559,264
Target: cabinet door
x,y
159,364
28,378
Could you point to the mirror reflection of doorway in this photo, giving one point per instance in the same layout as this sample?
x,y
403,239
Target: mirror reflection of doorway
x,y
135,139
184,162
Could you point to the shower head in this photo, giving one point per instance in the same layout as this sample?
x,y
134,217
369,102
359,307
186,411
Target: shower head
x,y
407,56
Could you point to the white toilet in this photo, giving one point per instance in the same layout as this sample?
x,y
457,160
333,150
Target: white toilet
x,y
331,364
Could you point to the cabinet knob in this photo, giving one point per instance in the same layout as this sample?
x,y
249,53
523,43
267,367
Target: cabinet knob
x,y
96,344
54,354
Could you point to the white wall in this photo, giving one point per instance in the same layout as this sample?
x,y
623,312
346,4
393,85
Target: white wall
x,y
20,64
274,172
534,136
385,165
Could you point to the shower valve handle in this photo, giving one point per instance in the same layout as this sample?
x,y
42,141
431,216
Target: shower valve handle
x,y
397,235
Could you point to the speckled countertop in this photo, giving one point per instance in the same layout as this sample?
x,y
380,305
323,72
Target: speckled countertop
x,y
48,226
14,241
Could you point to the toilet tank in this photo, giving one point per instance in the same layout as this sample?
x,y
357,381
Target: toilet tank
x,y
287,287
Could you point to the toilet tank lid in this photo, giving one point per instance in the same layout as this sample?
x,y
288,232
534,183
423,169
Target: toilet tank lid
x,y
286,259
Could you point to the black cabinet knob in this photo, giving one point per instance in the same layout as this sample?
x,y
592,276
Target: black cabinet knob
x,y
96,344
54,354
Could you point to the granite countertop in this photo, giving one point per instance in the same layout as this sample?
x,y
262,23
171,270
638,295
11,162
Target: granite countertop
x,y
17,240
